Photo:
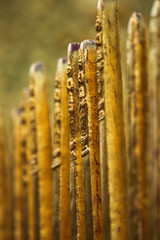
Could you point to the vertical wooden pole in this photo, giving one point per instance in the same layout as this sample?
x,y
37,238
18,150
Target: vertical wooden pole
x,y
76,177
56,152
138,113
65,232
102,121
155,115
18,182
42,115
116,142
27,177
6,204
90,140
34,156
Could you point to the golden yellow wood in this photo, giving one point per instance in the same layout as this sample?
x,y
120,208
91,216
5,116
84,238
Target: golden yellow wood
x,y
102,121
56,150
6,203
39,77
116,142
90,140
17,176
65,232
33,156
138,112
76,177
155,115
27,177
23,155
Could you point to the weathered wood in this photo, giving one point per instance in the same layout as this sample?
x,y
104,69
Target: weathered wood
x,y
115,130
102,121
76,179
88,109
27,177
39,76
138,122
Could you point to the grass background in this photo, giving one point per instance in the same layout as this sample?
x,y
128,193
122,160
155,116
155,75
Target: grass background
x,y
34,30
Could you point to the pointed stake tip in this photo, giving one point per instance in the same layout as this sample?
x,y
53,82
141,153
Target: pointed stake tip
x,y
37,67
88,43
136,19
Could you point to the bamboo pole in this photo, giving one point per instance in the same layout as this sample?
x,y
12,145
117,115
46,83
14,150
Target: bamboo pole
x,y
116,142
76,177
90,140
138,110
42,116
155,101
102,121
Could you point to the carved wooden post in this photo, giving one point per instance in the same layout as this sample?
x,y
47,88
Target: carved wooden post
x,y
56,152
65,232
102,121
138,111
88,109
116,142
76,177
60,164
39,77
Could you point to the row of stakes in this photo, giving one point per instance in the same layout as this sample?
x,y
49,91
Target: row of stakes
x,y
94,171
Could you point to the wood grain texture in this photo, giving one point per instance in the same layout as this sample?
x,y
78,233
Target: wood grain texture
x,y
138,114
33,156
115,130
64,203
40,78
102,121
76,176
90,140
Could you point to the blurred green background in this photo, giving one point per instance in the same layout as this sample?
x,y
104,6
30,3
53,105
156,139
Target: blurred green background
x,y
34,30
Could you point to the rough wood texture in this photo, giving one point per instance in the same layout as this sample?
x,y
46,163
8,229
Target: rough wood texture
x,y
56,162
116,142
138,122
64,203
102,121
42,116
61,155
90,140
76,178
